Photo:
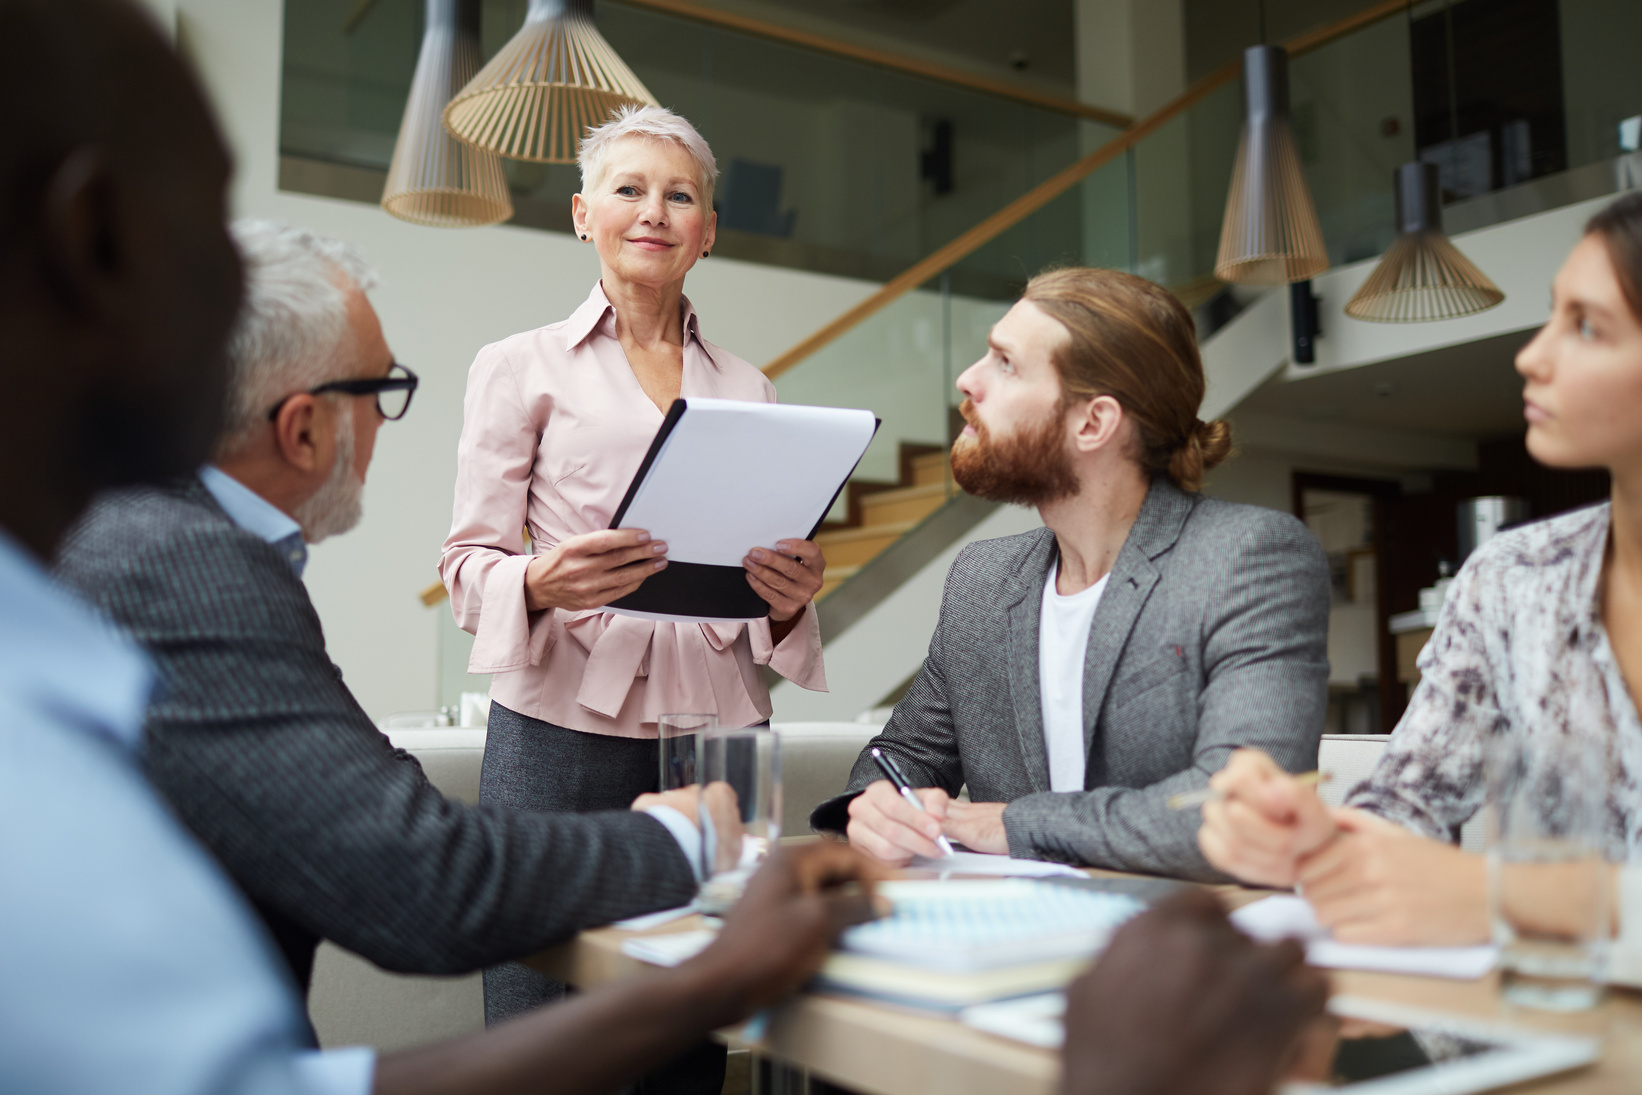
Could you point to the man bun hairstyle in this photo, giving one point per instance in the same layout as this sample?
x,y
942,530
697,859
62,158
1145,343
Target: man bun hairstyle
x,y
1619,227
1133,340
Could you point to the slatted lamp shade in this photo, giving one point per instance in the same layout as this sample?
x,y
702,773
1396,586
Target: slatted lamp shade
x,y
435,179
537,98
1422,275
1270,235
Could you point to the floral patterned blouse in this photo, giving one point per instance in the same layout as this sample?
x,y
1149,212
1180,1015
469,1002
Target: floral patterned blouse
x,y
1519,647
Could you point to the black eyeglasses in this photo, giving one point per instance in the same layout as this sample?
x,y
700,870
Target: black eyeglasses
x,y
393,392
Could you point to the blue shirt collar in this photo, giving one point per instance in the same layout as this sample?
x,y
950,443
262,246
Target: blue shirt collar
x,y
58,655
256,515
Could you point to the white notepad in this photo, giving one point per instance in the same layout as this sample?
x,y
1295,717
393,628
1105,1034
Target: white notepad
x,y
1288,917
963,925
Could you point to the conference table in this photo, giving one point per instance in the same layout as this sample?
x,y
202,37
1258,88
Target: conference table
x,y
880,1050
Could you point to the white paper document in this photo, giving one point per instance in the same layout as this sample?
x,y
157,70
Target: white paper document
x,y
982,863
654,920
1288,917
733,476
668,950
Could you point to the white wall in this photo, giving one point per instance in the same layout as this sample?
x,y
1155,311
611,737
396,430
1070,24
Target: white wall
x,y
444,293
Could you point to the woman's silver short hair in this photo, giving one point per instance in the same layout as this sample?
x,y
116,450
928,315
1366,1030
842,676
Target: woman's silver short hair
x,y
292,331
656,123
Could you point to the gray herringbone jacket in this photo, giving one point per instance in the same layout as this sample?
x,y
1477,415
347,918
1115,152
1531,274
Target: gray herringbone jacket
x,y
1212,634
267,757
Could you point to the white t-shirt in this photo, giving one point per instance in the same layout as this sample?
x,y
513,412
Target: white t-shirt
x,y
1063,638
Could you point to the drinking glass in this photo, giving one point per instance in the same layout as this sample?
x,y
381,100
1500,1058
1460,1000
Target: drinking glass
x,y
678,748
1548,876
740,810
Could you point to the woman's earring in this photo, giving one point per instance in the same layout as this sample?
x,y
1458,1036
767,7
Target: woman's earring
x,y
584,237
704,254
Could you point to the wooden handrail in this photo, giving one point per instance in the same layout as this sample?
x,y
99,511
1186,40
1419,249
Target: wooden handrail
x,y
929,70
1056,185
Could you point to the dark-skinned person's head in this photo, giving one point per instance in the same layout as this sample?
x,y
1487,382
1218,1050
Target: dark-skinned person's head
x,y
1090,370
118,281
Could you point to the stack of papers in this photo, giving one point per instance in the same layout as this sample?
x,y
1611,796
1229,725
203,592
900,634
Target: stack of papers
x,y
996,865
1289,917
951,944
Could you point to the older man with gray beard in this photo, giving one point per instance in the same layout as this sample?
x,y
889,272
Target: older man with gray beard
x,y
253,737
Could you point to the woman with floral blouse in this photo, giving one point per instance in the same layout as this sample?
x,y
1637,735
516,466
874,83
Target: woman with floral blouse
x,y
1540,637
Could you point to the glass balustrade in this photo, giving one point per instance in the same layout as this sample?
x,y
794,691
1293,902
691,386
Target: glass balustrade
x,y
1360,108
825,163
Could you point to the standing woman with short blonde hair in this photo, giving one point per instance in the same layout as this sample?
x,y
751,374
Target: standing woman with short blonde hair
x,y
556,423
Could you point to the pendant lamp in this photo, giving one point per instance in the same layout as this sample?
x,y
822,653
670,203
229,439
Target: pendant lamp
x,y
435,179
557,78
1270,235
1422,276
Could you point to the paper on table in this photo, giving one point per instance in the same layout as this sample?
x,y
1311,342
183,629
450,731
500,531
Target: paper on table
x,y
733,476
668,950
982,863
1285,916
653,920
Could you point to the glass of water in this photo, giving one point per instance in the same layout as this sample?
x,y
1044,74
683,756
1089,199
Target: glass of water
x,y
1549,882
678,734
739,812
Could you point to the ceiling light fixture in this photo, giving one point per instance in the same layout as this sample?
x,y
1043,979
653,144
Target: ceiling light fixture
x,y
1422,276
1270,235
537,97
435,179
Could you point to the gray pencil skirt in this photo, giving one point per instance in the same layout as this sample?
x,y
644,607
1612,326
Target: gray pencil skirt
x,y
534,765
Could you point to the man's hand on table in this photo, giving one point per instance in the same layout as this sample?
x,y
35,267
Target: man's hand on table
x,y
1266,822
978,826
1182,1003
887,827
781,930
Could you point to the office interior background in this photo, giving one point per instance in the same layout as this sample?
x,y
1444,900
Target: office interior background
x,y
892,171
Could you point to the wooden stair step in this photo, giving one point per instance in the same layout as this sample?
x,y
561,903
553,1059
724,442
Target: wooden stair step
x,y
930,468
902,504
852,547
835,577
864,532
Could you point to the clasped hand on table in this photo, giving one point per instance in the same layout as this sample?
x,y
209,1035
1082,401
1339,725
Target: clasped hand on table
x,y
1369,880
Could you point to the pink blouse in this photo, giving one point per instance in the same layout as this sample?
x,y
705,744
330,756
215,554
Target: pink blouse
x,y
554,428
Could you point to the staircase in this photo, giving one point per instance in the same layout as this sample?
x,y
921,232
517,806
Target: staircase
x,y
881,513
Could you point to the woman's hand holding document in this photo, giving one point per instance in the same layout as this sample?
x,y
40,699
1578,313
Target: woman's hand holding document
x,y
726,483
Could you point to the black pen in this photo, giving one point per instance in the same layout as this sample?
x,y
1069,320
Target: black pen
x,y
893,772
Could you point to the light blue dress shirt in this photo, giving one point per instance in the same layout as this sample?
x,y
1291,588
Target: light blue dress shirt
x,y
128,961
256,515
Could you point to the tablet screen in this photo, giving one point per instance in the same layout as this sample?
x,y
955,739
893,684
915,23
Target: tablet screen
x,y
1348,1051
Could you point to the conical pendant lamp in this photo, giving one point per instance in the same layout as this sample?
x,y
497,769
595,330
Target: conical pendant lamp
x,y
435,179
537,98
1270,235
1422,276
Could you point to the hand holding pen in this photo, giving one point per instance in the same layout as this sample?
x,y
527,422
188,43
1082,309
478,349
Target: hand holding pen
x,y
903,786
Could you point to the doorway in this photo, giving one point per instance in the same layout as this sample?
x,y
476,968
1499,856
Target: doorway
x,y
1348,516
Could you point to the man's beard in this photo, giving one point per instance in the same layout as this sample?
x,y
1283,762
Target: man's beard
x,y
338,505
1030,467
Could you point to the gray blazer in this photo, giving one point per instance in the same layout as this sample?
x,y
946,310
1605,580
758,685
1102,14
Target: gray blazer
x,y
1212,634
331,832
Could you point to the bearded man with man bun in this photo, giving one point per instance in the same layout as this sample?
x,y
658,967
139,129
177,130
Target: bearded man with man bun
x,y
1083,673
